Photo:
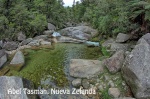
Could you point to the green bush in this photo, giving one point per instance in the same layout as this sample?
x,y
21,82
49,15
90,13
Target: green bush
x,y
105,52
104,94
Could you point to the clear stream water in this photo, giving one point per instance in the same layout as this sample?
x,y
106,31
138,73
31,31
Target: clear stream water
x,y
49,67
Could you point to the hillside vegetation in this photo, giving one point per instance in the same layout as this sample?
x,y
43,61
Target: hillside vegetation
x,y
108,16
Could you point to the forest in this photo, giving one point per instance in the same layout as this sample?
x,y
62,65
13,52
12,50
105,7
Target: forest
x,y
108,16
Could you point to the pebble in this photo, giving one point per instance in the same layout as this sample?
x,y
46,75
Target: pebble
x,y
76,82
85,83
106,78
114,92
100,87
111,84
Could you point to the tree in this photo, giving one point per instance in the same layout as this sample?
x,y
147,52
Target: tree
x,y
30,16
140,13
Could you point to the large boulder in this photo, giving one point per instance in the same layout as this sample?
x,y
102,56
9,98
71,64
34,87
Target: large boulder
x,y
85,32
115,62
25,42
13,88
64,96
125,98
48,32
67,31
146,37
108,43
122,37
1,43
10,46
45,43
44,37
77,34
21,36
35,42
18,60
3,58
118,46
23,47
51,26
83,68
64,39
136,70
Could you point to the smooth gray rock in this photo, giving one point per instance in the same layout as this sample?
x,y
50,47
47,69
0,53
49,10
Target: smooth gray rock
x,y
18,60
25,42
136,70
51,26
118,46
146,37
111,84
92,44
114,92
64,39
9,83
76,82
44,37
121,37
108,43
3,58
21,36
64,96
48,32
34,43
100,87
23,47
115,62
141,41
125,98
85,83
1,43
77,34
45,43
85,32
10,46
83,68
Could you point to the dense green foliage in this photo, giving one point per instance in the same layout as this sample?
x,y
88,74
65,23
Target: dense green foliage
x,y
113,16
29,16
108,16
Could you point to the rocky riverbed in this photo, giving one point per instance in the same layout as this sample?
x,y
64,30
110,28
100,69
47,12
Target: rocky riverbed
x,y
110,70
47,64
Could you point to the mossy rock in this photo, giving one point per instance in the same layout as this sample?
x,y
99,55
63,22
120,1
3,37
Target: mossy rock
x,y
4,71
16,67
